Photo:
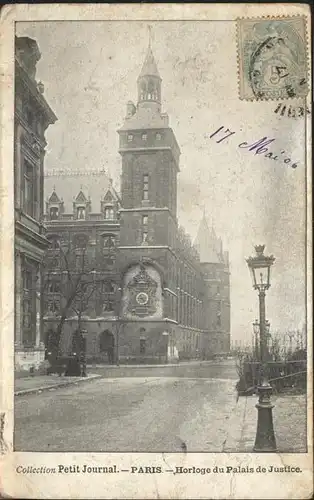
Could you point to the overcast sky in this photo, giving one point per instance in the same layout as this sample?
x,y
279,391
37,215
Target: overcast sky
x,y
89,70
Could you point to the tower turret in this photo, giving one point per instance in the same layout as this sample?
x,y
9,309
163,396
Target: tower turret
x,y
149,83
215,268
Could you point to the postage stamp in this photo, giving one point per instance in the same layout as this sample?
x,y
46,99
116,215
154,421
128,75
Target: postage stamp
x,y
272,58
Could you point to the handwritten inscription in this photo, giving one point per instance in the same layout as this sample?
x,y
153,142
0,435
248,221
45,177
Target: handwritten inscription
x,y
258,147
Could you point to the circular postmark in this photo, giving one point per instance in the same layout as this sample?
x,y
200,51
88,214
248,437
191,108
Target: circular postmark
x,y
275,59
274,71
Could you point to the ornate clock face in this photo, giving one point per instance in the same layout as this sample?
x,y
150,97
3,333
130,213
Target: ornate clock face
x,y
142,298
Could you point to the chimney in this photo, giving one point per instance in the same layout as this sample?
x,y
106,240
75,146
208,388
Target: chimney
x,y
130,109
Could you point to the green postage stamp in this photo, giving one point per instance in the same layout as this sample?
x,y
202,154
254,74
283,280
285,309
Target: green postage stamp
x,y
272,58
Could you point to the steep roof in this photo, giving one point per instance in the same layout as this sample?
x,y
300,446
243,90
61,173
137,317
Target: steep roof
x,y
69,186
149,67
54,198
81,198
207,244
146,118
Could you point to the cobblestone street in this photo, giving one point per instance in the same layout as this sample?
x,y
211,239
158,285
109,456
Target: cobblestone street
x,y
153,414
161,414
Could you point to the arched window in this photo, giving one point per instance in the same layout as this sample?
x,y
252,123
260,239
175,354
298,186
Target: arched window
x,y
143,91
80,212
109,213
54,213
108,242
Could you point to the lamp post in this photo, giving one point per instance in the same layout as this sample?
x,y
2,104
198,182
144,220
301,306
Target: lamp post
x,y
118,298
267,334
166,335
259,266
256,338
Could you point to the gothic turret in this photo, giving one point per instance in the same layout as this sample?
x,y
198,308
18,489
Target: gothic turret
x,y
149,83
209,247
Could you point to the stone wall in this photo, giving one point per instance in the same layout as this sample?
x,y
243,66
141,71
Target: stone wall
x,y
142,341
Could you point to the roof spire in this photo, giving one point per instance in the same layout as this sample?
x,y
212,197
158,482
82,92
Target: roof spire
x,y
149,67
204,212
149,36
206,242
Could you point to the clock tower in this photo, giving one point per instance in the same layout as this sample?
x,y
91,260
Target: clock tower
x,y
150,164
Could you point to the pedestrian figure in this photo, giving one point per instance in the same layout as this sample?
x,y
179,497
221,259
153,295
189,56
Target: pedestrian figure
x,y
110,355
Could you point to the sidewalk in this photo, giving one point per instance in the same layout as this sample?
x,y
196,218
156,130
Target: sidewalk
x,y
193,362
28,385
289,417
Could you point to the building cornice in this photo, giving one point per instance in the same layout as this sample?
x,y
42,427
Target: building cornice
x,y
145,209
79,224
30,234
32,87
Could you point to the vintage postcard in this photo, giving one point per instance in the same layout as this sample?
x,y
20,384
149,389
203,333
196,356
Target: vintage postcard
x,y
156,249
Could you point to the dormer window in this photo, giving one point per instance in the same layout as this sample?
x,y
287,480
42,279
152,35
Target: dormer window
x,y
109,213
144,137
54,213
130,138
81,213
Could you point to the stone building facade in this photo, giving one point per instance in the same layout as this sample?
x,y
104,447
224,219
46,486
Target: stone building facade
x,y
153,295
32,117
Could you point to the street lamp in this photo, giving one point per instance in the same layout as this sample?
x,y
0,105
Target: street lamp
x,y
259,266
166,336
256,337
118,296
268,337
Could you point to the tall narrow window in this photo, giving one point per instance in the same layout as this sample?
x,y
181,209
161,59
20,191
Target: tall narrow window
x,y
109,213
28,307
219,315
81,212
144,228
109,250
142,345
145,187
54,213
144,136
29,189
108,296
